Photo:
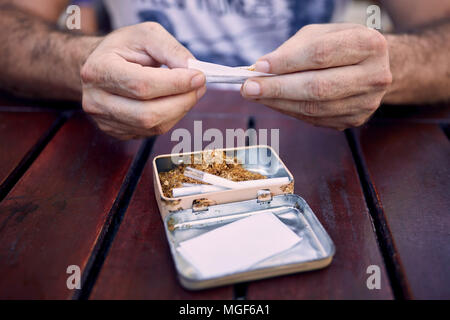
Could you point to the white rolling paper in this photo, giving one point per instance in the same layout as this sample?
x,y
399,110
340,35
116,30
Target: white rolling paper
x,y
239,245
204,188
216,73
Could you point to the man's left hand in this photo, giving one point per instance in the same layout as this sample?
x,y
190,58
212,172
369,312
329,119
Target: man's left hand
x,y
331,75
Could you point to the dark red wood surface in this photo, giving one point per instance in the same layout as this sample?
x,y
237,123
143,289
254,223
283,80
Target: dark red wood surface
x,y
325,177
217,102
19,132
408,164
53,216
139,264
323,166
57,212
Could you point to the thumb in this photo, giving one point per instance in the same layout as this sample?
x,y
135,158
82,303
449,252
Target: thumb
x,y
164,48
277,62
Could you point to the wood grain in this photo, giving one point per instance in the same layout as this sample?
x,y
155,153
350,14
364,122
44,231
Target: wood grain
x,y
409,167
230,103
52,218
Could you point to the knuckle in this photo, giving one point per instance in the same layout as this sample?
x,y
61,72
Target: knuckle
x,y
383,79
177,49
147,122
152,26
376,41
320,54
317,88
181,84
89,105
310,27
276,89
139,89
159,130
190,103
285,61
309,108
87,73
373,106
356,122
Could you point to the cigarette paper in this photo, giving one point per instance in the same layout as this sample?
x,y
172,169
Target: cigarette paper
x,y
239,245
189,189
216,73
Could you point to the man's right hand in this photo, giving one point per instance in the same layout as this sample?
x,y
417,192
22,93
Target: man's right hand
x,y
127,93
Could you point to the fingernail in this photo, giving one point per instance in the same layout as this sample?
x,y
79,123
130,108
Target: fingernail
x,y
252,88
201,92
262,66
198,81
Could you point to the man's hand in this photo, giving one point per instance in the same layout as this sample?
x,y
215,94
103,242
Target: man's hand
x,y
125,90
331,75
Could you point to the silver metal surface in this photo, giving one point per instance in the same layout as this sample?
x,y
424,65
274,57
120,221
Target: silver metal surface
x,y
292,210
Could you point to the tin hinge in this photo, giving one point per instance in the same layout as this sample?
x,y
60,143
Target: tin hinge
x,y
264,196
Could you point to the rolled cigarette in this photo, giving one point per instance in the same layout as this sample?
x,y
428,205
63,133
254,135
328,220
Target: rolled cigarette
x,y
210,178
202,188
198,189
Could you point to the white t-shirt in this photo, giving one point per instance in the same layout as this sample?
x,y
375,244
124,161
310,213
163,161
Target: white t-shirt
x,y
228,32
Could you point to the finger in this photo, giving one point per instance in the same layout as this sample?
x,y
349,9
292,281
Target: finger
x,y
168,50
138,82
111,126
170,123
320,85
311,51
112,129
343,107
146,117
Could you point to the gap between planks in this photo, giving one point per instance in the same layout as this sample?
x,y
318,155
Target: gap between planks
x,y
113,221
32,154
394,268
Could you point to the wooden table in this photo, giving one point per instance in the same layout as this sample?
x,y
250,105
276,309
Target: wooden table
x,y
71,195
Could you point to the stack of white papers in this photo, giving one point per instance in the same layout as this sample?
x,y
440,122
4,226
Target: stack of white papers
x,y
216,73
239,245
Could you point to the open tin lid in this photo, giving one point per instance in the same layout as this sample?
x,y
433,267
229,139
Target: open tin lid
x,y
192,216
315,249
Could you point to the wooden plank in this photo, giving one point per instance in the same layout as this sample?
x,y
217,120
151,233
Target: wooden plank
x,y
139,264
53,217
325,176
409,167
19,133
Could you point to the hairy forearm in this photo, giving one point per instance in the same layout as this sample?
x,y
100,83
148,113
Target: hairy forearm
x,y
420,66
36,60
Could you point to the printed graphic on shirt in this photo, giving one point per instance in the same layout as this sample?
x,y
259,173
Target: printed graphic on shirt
x,y
228,32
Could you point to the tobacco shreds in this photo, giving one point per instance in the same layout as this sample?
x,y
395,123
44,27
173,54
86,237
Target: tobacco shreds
x,y
215,163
